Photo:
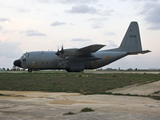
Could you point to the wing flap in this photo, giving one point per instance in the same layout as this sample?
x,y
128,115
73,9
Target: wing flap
x,y
90,49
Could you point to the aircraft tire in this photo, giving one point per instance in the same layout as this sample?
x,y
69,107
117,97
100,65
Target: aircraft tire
x,y
68,70
29,70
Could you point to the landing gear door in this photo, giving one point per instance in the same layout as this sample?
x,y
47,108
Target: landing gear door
x,y
76,66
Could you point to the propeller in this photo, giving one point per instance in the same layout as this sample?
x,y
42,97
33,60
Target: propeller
x,y
60,53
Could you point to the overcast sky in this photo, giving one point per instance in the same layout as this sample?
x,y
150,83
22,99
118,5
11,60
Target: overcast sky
x,y
36,25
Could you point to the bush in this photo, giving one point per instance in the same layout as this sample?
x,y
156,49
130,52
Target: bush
x,y
69,113
87,110
155,97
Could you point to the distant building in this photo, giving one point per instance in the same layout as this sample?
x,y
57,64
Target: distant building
x,y
111,69
14,68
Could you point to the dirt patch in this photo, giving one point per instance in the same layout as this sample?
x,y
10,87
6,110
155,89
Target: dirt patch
x,y
144,89
46,105
71,102
49,106
34,94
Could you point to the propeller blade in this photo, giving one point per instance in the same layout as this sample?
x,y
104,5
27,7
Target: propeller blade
x,y
58,52
62,50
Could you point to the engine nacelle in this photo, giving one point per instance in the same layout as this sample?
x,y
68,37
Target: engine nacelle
x,y
69,52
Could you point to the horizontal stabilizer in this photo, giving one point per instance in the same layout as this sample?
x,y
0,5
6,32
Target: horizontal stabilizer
x,y
90,49
138,52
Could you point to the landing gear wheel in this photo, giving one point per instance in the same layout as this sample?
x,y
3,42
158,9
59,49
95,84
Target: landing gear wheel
x,y
29,70
68,70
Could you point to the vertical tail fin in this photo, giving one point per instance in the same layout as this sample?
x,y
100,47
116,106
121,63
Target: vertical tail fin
x,y
131,41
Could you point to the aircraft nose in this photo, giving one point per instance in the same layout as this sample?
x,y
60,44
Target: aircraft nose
x,y
17,63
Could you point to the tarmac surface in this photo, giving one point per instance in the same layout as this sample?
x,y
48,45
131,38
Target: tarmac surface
x,y
89,71
18,105
134,72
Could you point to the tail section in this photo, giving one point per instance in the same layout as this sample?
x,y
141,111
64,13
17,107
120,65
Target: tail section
x,y
131,42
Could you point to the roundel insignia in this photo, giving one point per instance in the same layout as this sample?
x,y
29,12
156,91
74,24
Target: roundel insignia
x,y
107,57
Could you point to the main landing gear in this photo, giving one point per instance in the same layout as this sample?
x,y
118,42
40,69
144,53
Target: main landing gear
x,y
29,70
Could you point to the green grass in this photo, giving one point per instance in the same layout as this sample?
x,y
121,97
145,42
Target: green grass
x,y
85,83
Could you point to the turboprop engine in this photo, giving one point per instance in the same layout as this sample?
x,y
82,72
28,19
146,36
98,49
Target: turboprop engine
x,y
63,53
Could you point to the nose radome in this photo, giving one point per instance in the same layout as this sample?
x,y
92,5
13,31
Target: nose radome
x,y
17,63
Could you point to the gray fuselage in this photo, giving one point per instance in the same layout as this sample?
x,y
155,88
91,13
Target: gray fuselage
x,y
48,60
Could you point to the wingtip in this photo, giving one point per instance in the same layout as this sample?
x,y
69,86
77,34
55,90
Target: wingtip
x,y
98,45
145,51
148,51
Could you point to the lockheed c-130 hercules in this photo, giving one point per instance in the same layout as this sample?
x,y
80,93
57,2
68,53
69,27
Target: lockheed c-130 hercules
x,y
76,60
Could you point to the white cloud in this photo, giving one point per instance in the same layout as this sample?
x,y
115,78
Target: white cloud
x,y
151,15
149,10
33,33
4,19
10,49
9,31
143,0
81,42
109,33
147,0
72,24
97,25
98,22
98,19
57,23
80,39
112,44
0,28
22,10
44,1
108,12
83,9
77,1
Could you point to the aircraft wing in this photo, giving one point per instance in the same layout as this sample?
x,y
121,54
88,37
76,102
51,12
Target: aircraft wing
x,y
90,49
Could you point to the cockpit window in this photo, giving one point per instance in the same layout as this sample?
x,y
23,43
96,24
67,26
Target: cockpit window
x,y
26,55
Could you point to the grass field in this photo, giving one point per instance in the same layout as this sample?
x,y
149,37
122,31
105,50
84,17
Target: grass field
x,y
85,83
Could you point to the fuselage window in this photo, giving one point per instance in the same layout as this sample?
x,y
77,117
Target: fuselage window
x,y
24,60
26,55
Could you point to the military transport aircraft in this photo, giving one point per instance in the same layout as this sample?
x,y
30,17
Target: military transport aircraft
x,y
76,60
